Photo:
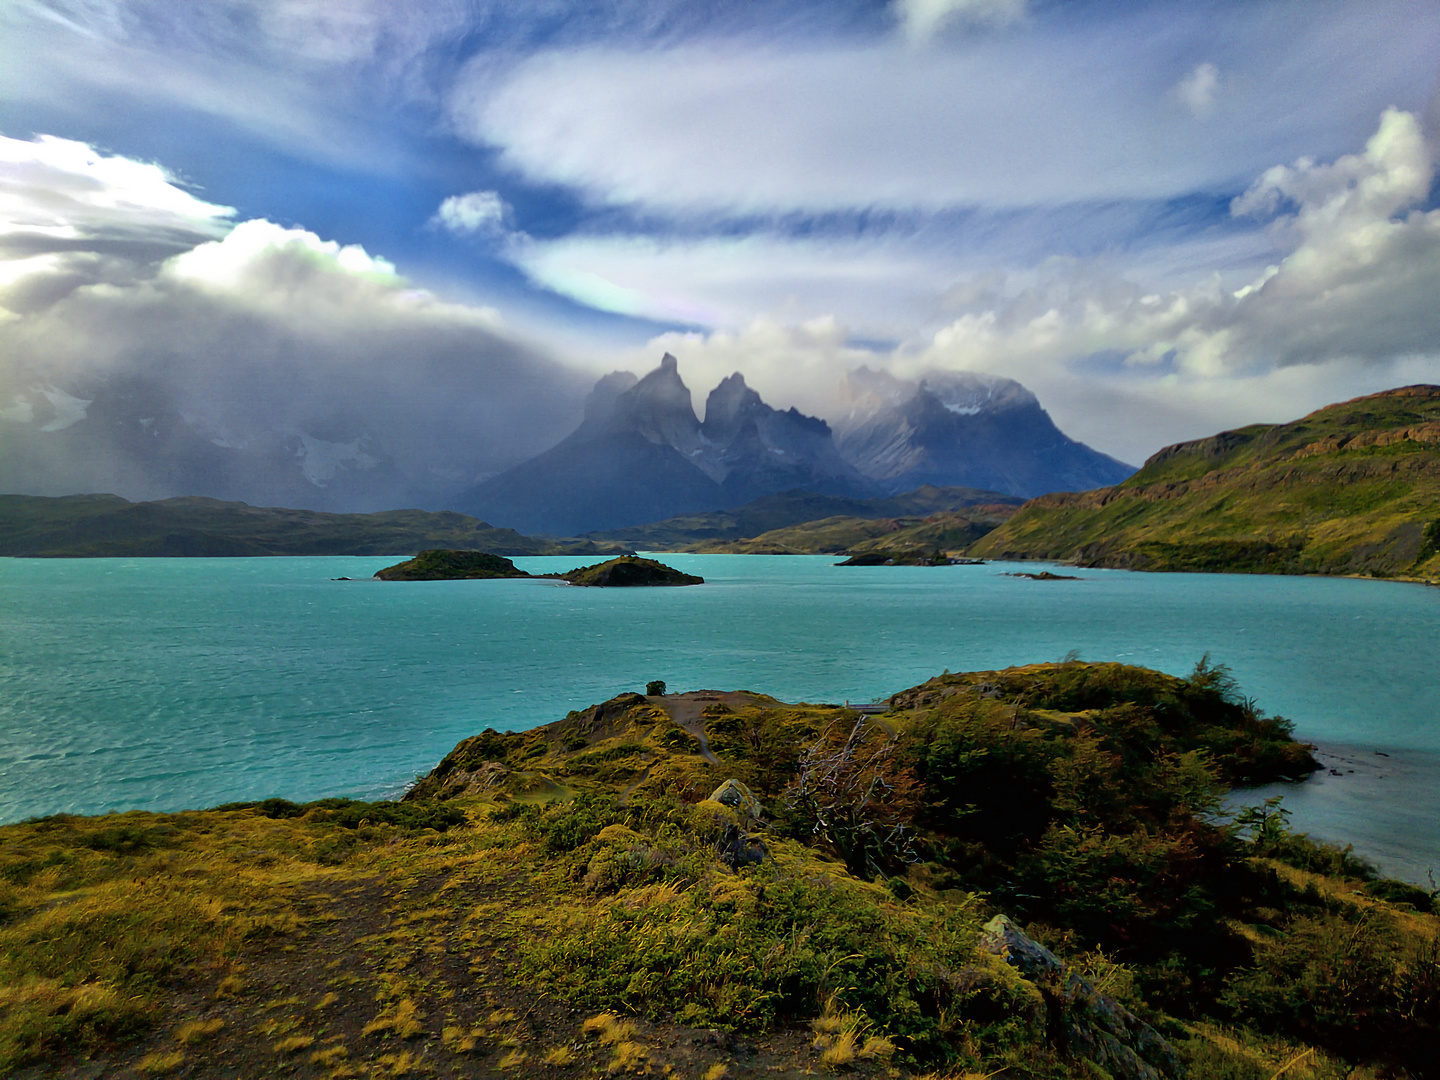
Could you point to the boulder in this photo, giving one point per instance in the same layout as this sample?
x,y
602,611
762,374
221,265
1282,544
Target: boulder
x,y
737,848
1083,1022
738,797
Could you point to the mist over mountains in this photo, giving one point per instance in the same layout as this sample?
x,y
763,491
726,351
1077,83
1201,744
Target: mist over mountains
x,y
961,429
642,455
276,412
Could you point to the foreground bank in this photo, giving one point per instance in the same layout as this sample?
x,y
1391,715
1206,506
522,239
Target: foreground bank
x,y
1019,871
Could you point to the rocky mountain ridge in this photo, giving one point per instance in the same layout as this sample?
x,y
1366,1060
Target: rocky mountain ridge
x,y
962,429
642,455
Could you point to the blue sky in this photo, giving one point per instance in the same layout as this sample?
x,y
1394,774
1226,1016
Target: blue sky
x,y
1164,218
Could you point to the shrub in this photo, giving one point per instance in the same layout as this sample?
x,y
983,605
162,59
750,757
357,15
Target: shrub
x,y
655,688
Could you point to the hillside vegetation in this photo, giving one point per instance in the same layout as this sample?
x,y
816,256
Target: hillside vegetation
x,y
712,530
856,536
107,525
1353,488
1018,873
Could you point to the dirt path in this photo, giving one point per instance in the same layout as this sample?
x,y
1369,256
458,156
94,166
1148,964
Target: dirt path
x,y
381,977
687,710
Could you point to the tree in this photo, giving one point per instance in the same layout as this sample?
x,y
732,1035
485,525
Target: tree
x,y
856,796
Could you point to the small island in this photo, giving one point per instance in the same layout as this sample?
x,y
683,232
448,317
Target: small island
x,y
439,564
445,565
884,557
628,571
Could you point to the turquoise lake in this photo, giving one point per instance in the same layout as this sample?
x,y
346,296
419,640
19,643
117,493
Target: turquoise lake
x,y
164,684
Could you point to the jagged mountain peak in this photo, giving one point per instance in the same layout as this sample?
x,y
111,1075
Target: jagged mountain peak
x,y
600,405
961,428
967,393
659,408
641,455
728,406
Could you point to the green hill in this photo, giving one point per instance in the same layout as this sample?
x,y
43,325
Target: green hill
x,y
856,536
771,512
1022,873
107,525
1353,488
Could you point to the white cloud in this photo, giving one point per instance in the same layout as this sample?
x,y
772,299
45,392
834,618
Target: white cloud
x,y
1069,111
885,284
267,364
920,20
49,183
474,212
1198,90
1347,307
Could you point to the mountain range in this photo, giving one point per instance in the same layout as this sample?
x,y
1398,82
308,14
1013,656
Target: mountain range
x,y
642,455
961,429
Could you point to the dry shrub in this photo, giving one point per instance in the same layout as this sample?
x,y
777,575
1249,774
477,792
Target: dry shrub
x,y
161,1062
403,1020
193,1031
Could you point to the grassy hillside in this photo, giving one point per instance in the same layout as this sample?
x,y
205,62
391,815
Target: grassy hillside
x,y
107,525
854,536
790,508
1017,873
1351,489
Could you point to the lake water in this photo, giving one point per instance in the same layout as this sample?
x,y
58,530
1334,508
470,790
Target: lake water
x,y
170,683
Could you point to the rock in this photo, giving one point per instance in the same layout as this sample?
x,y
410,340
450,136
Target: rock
x,y
1084,1022
736,848
738,797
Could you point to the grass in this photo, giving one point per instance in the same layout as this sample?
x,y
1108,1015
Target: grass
x,y
1076,798
1319,495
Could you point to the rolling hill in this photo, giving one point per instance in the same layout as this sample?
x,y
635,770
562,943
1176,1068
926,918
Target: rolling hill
x,y
1353,488
107,525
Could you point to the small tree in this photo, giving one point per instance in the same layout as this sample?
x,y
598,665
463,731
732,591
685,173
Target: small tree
x,y
855,795
655,688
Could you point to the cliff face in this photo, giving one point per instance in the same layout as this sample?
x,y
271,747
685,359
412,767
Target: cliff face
x,y
1353,488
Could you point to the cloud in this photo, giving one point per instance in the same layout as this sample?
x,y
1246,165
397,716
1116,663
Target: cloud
x,y
794,364
266,364
1361,262
1068,111
475,212
70,216
1347,306
883,283
1198,90
921,19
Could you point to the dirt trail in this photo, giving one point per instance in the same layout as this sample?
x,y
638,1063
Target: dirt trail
x,y
686,711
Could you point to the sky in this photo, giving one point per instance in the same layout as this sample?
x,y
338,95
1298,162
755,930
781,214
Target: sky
x,y
1165,219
